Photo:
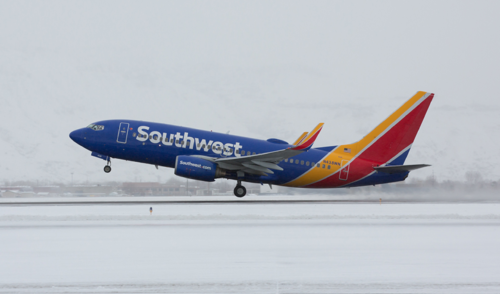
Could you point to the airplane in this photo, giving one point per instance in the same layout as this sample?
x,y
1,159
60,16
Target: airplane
x,y
378,158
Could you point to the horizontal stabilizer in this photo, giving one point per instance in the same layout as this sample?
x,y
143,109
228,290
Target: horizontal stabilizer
x,y
394,169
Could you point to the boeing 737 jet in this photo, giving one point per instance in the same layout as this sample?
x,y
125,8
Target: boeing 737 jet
x,y
377,158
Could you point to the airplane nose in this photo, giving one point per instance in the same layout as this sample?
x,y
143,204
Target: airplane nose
x,y
77,136
74,135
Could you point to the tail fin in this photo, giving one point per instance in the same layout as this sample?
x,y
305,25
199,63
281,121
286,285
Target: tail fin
x,y
391,140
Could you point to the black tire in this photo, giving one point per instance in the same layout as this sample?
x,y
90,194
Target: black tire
x,y
107,169
240,191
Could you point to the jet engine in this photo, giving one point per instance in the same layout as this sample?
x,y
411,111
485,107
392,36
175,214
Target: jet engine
x,y
197,169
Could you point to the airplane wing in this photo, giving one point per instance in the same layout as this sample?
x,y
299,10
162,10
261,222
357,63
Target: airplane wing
x,y
264,163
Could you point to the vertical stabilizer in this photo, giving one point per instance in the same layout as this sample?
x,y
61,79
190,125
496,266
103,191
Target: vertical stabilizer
x,y
388,144
391,140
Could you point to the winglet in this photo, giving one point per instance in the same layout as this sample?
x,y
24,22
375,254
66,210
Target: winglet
x,y
306,143
300,139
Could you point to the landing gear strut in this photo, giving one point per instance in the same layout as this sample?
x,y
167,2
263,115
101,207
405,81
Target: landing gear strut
x,y
107,168
239,190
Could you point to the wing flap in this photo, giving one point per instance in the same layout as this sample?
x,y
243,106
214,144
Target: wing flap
x,y
229,166
257,168
267,164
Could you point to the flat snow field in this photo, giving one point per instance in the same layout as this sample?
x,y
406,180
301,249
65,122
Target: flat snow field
x,y
251,248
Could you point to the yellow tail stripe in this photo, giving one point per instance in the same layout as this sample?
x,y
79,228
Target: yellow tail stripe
x,y
390,120
300,138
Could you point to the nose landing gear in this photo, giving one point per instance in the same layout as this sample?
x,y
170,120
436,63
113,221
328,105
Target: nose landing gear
x,y
239,190
107,168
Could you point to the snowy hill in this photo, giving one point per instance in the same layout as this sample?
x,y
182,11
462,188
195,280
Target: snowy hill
x,y
43,102
265,71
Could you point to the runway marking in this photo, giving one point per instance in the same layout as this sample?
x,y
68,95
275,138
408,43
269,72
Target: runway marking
x,y
236,201
187,202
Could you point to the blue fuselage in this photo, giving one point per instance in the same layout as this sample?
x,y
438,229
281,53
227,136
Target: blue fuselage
x,y
160,144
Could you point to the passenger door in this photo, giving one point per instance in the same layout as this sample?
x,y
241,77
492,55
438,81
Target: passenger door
x,y
344,172
122,133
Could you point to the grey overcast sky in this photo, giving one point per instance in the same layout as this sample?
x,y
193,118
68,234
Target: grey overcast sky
x,y
257,68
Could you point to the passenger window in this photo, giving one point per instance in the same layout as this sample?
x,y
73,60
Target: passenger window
x,y
176,141
172,140
134,134
301,162
286,160
323,166
254,153
291,160
307,163
203,146
237,152
313,163
328,166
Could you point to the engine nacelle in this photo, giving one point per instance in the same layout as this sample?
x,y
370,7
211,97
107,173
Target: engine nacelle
x,y
197,169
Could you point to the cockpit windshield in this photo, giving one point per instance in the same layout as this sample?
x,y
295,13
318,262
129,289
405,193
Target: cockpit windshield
x,y
95,127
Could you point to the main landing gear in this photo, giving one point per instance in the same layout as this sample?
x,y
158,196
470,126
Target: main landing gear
x,y
107,168
239,190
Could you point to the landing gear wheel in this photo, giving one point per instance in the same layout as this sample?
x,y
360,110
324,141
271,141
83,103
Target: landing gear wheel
x,y
107,169
240,191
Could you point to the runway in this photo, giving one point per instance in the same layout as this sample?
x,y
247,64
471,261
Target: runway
x,y
241,202
311,247
208,200
180,200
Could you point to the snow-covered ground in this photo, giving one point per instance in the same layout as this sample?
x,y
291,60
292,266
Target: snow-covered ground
x,y
257,248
